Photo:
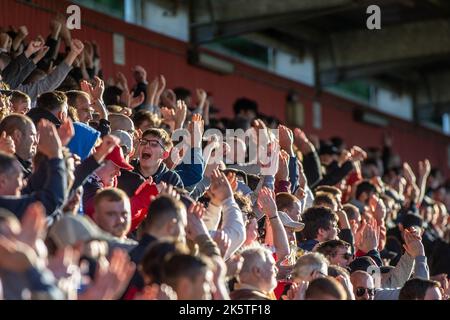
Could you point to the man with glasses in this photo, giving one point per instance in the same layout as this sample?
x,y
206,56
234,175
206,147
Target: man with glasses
x,y
337,252
364,288
154,147
363,285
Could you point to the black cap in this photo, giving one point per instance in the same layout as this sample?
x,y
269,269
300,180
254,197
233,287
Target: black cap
x,y
361,263
327,148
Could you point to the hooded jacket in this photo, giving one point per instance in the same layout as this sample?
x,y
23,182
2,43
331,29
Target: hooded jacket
x,y
163,174
84,140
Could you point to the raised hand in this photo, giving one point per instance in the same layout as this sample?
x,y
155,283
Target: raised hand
x,y
87,87
34,47
297,291
7,144
424,168
413,244
359,233
160,89
99,88
286,139
196,128
180,114
6,42
195,225
223,241
266,202
283,167
66,131
23,32
409,174
201,97
232,179
220,188
134,102
358,154
76,46
370,237
167,190
49,142
111,280
262,135
169,98
302,142
41,54
63,261
121,81
344,157
33,224
76,49
108,144
378,209
152,88
168,115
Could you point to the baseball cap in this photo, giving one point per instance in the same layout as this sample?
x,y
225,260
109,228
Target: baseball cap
x,y
117,157
70,229
288,222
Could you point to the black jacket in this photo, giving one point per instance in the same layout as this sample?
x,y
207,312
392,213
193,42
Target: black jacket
x,y
129,182
335,174
311,167
136,255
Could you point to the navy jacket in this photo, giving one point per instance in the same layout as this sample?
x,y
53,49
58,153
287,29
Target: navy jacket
x,y
163,174
191,168
51,195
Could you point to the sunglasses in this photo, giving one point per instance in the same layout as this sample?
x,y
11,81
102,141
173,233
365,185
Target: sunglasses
x,y
361,291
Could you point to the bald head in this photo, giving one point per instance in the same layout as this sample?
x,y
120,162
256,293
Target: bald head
x,y
121,122
363,284
23,132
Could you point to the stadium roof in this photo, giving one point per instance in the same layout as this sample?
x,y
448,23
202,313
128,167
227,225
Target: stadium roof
x,y
410,52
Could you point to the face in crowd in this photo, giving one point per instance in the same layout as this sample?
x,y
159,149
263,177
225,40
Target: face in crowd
x,y
151,151
363,285
113,216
